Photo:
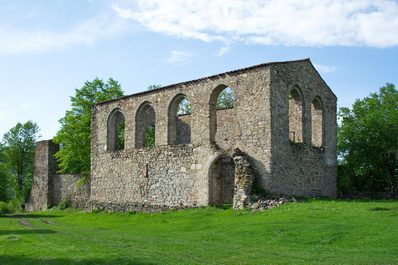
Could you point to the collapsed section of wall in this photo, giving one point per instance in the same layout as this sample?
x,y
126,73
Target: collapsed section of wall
x,y
72,188
45,167
50,188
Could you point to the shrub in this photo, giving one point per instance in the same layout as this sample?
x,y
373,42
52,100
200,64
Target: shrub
x,y
13,206
63,204
4,208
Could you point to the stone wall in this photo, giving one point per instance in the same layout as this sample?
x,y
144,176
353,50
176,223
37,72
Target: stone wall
x,y
188,171
183,132
302,167
45,166
69,187
50,188
283,125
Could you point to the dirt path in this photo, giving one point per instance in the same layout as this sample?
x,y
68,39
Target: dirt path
x,y
21,221
46,221
26,223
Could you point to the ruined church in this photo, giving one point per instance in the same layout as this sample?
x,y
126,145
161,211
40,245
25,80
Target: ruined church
x,y
279,137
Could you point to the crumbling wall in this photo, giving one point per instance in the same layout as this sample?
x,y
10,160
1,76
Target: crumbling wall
x,y
305,166
50,188
71,188
45,167
283,120
179,174
184,129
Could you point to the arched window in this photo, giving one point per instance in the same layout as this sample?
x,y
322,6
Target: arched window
x,y
222,98
296,115
145,126
317,122
179,123
115,130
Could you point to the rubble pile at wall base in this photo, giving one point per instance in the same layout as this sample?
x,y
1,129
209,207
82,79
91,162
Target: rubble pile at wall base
x,y
260,205
93,206
271,202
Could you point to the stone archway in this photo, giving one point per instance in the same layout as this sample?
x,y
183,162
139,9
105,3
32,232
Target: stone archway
x,y
222,181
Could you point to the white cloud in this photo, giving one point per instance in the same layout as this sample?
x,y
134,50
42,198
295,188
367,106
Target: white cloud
x,y
18,41
325,68
224,50
179,57
273,22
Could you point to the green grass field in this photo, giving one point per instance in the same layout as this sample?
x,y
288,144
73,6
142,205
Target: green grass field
x,y
314,232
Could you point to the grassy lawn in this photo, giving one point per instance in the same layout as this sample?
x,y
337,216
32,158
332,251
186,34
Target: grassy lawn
x,y
314,232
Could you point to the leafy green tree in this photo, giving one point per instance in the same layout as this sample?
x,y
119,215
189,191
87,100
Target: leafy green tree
x,y
150,136
18,151
120,135
3,176
74,136
184,107
225,99
368,143
151,87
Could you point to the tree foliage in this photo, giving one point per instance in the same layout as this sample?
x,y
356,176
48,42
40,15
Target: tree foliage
x,y
184,107
151,87
74,136
150,136
17,159
3,176
225,99
368,143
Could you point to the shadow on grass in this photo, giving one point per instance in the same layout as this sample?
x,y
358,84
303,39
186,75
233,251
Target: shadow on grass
x,y
26,232
9,260
29,216
384,209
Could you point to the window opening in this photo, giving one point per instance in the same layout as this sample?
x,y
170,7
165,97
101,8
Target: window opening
x,y
317,122
179,122
222,115
295,116
116,131
145,126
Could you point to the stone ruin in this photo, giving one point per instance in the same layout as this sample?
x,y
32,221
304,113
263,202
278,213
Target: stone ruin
x,y
279,137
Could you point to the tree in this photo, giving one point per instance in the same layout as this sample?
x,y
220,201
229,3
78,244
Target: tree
x,y
225,99
184,107
368,143
74,136
151,87
3,176
18,151
150,136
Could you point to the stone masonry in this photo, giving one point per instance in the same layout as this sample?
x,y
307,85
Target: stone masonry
x,y
50,188
280,135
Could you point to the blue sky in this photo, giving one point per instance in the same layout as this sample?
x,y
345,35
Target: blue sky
x,y
48,48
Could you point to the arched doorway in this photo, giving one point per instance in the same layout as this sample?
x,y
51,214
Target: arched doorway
x,y
222,181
